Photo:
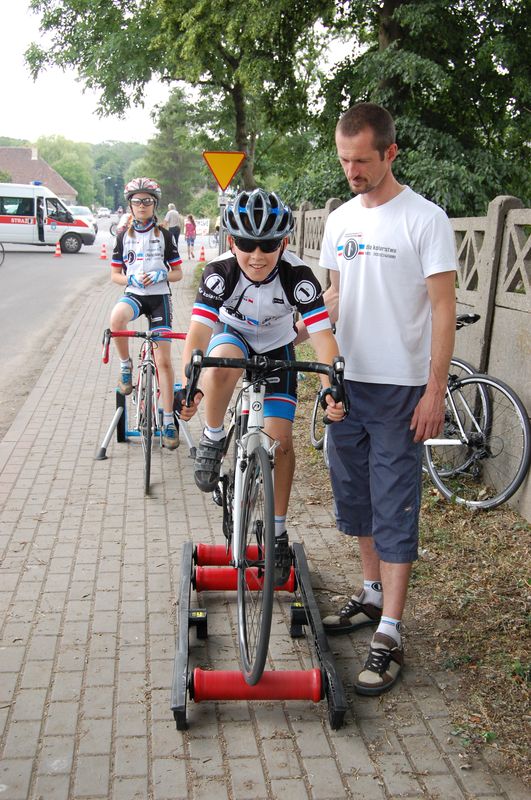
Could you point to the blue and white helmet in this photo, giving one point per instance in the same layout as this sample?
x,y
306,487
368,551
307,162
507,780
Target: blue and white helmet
x,y
258,215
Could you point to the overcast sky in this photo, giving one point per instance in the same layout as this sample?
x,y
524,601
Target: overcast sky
x,y
55,102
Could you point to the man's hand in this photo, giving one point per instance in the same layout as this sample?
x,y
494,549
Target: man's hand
x,y
334,411
428,417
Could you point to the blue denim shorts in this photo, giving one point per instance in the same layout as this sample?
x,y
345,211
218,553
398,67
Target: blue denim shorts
x,y
376,469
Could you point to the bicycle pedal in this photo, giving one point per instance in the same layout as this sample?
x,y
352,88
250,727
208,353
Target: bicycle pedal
x,y
217,496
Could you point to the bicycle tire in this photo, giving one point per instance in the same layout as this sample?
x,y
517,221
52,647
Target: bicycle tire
x,y
256,576
326,441
317,426
121,427
2,254
459,368
226,485
485,472
113,228
146,421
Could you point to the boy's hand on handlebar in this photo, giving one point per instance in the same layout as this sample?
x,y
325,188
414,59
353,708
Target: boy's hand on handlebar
x,y
335,411
179,403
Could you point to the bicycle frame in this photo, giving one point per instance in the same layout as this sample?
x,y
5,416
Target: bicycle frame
x,y
147,361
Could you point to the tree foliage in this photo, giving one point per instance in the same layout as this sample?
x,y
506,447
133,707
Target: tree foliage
x,y
257,57
73,161
455,77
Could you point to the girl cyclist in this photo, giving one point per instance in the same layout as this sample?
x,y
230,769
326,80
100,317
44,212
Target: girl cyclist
x,y
145,260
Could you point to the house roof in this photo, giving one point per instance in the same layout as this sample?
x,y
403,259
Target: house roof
x,y
24,165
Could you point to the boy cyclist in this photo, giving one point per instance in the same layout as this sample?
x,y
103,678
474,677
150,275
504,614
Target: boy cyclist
x,y
145,260
246,304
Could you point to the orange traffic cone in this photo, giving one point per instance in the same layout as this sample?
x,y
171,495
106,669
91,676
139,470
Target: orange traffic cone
x,y
103,254
57,253
202,258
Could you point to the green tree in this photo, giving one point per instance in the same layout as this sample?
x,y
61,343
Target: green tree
x,y
73,161
113,168
259,58
454,77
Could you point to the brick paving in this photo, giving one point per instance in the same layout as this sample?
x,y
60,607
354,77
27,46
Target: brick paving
x,y
88,588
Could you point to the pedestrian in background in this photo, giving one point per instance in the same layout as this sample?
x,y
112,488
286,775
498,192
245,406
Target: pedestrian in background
x,y
172,221
190,234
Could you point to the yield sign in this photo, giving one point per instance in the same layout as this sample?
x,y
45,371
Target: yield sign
x,y
223,165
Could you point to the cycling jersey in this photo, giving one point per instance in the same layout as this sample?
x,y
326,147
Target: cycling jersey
x,y
263,313
145,252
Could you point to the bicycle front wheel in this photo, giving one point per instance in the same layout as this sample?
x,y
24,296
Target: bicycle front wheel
x,y
2,254
487,451
256,563
145,402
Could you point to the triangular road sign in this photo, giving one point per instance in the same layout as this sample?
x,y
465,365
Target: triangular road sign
x,y
223,165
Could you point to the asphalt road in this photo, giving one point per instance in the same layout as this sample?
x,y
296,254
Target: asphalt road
x,y
40,295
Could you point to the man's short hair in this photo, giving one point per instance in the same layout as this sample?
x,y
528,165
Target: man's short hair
x,y
373,116
171,206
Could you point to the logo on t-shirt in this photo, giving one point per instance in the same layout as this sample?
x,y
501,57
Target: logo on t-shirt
x,y
216,283
351,249
305,292
130,257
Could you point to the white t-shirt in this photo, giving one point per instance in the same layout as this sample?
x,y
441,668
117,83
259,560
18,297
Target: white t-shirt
x,y
384,256
172,218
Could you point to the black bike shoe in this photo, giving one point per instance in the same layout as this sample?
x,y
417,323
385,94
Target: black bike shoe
x,y
207,463
354,614
282,559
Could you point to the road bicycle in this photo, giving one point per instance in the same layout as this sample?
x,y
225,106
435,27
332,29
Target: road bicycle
x,y
144,397
246,493
2,254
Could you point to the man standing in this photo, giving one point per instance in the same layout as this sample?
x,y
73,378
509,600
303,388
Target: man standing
x,y
172,222
392,261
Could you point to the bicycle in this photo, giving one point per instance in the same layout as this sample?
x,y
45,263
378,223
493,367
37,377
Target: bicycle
x,y
145,394
246,494
213,239
2,254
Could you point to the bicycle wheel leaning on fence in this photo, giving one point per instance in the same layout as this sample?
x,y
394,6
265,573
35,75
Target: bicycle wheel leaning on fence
x,y
484,452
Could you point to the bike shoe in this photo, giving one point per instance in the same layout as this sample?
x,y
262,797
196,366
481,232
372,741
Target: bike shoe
x,y
383,666
354,614
282,559
207,463
170,436
125,381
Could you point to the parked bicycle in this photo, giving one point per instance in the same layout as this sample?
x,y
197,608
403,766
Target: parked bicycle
x,y
2,254
246,494
144,397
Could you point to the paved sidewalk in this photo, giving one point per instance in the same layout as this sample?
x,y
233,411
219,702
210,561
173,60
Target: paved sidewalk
x,y
88,587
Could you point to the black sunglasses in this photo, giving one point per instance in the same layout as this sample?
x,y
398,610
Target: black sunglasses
x,y
142,201
248,246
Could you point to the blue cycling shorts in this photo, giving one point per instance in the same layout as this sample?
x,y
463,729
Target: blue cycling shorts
x,y
281,390
376,468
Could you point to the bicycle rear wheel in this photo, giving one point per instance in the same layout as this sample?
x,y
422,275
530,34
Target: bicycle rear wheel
x,y
460,369
317,426
256,575
487,467
145,403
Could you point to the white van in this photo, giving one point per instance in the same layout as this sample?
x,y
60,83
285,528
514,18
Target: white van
x,y
32,214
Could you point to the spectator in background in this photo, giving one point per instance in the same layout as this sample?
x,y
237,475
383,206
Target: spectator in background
x,y
190,234
172,222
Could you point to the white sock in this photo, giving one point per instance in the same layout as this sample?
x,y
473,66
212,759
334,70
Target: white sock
x,y
167,419
125,362
391,627
215,434
372,593
280,525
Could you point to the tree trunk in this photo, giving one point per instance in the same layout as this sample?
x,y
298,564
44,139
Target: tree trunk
x,y
243,140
